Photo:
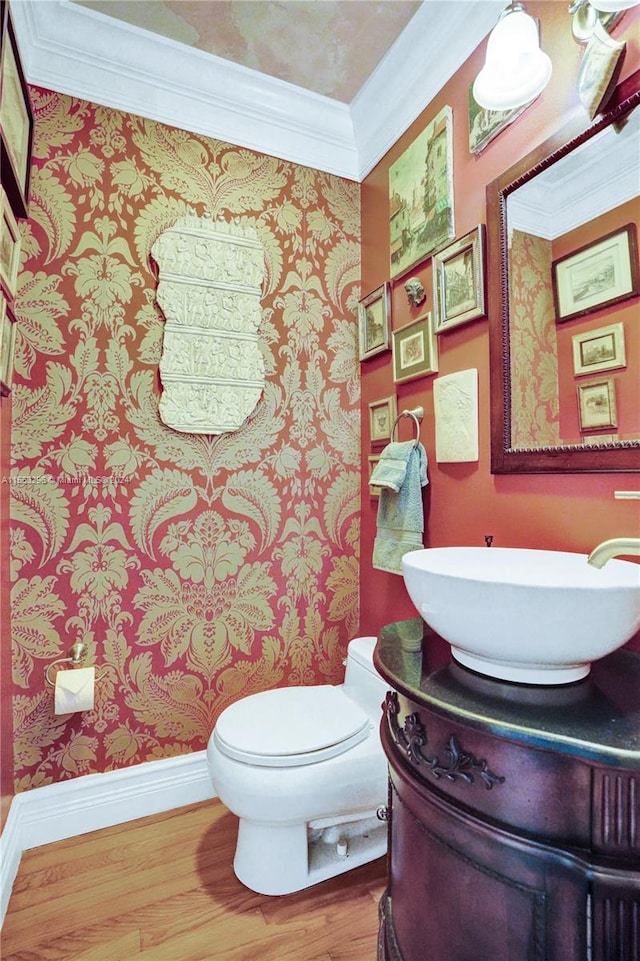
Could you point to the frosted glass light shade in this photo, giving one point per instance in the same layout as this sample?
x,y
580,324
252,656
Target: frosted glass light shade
x,y
516,70
612,6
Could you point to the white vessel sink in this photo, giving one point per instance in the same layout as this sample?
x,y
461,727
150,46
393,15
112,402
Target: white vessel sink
x,y
535,617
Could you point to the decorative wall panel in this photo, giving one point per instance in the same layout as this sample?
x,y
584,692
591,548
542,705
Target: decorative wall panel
x,y
197,568
212,369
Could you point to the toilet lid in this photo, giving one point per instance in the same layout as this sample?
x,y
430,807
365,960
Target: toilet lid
x,y
290,726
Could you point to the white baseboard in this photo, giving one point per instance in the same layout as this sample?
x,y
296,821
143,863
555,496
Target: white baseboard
x,y
95,801
10,854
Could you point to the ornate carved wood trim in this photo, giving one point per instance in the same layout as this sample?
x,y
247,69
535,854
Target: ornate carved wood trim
x,y
453,763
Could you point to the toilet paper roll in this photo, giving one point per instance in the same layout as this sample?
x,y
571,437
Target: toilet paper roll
x,y
74,690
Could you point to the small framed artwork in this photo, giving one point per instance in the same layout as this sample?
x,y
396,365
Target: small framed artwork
x,y
597,275
485,125
374,322
7,344
374,491
16,119
9,247
415,350
597,404
599,70
459,281
382,414
597,350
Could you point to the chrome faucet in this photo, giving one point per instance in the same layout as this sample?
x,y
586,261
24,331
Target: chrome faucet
x,y
613,548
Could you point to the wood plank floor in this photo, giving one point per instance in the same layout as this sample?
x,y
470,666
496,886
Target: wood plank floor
x,y
163,889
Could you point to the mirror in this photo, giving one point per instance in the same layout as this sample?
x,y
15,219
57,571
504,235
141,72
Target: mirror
x,y
564,351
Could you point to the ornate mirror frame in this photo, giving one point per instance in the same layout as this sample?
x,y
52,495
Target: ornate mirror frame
x,y
505,459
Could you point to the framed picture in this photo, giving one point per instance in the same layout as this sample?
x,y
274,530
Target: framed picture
x,y
421,195
597,275
374,492
374,322
415,350
382,414
9,247
485,125
596,350
597,404
16,119
7,344
458,281
599,69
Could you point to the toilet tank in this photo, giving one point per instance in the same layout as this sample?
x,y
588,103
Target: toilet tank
x,y
362,683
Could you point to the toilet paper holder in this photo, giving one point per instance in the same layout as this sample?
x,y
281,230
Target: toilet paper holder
x,y
77,655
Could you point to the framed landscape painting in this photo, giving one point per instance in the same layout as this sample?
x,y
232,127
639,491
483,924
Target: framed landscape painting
x,y
16,119
421,196
374,321
597,404
597,275
601,349
458,281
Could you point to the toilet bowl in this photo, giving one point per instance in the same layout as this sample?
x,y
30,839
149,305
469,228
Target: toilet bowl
x,y
304,771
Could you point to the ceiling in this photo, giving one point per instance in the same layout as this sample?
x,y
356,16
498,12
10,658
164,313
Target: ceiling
x,y
330,84
281,39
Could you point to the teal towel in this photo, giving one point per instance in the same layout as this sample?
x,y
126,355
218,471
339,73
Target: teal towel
x,y
391,469
401,473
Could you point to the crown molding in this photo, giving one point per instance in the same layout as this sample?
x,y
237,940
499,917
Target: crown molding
x,y
569,193
428,52
77,51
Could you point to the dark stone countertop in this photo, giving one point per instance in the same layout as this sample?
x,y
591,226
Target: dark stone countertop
x,y
597,718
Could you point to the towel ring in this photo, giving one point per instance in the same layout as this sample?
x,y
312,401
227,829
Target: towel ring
x,y
416,415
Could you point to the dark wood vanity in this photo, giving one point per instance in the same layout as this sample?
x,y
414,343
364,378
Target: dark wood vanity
x,y
514,811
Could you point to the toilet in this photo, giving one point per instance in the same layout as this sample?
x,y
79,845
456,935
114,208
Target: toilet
x,y
304,771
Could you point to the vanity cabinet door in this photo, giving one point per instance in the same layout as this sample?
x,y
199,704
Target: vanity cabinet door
x,y
463,890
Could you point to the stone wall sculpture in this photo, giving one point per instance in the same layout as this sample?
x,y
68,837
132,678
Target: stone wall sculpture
x,y
210,282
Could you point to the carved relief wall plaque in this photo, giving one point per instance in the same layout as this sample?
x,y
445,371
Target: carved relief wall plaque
x,y
210,282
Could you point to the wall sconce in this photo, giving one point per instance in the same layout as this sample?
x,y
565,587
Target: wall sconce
x,y
516,70
613,6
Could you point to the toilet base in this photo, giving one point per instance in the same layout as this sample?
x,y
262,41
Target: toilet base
x,y
280,859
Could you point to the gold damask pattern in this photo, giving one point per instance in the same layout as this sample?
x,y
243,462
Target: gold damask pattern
x,y
198,569
535,417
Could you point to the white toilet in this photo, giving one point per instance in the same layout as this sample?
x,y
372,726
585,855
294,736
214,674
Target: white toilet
x,y
304,770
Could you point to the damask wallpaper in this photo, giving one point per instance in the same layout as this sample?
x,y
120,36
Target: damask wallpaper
x,y
197,568
535,416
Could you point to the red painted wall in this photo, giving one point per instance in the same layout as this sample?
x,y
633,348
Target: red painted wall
x,y
463,502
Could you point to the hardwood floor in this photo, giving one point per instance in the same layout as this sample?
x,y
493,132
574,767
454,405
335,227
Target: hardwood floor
x,y
163,889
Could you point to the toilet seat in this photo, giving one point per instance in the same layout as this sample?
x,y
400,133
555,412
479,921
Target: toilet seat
x,y
291,726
